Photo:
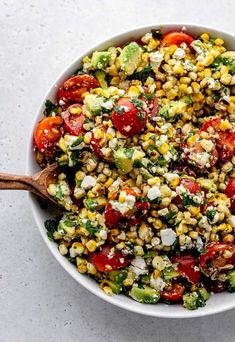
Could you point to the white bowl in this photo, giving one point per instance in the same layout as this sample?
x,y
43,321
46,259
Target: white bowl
x,y
216,303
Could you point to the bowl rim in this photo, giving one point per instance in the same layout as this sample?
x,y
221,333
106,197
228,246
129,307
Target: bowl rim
x,y
34,204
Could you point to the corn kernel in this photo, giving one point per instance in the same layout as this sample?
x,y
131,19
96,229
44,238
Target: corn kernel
x,y
182,239
208,60
193,210
91,245
193,235
219,41
183,88
133,91
163,149
225,125
108,182
207,72
178,69
226,79
152,44
198,97
75,110
172,49
191,140
87,138
195,86
205,37
78,247
200,66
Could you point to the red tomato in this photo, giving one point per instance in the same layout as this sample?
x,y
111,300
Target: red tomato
x,y
230,188
175,294
225,144
232,205
214,123
176,38
47,133
128,116
191,185
197,148
96,147
214,260
188,268
230,192
73,88
114,217
108,260
73,123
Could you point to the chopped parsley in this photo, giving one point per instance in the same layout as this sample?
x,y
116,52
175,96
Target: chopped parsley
x,y
143,74
51,109
51,227
129,152
90,204
187,200
211,214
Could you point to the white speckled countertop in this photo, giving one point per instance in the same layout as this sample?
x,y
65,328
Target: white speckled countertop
x,y
38,299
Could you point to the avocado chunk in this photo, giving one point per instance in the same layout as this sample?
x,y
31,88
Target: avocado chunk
x,y
207,184
100,75
125,157
231,281
93,103
130,58
144,294
100,59
195,299
95,203
171,274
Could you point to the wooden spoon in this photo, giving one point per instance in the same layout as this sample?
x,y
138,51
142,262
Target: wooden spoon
x,y
37,184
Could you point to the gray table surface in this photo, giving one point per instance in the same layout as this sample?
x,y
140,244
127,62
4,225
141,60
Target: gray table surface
x,y
38,300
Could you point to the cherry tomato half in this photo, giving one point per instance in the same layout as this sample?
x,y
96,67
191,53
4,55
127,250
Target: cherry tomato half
x,y
73,88
214,258
131,217
73,123
190,153
129,116
213,123
109,259
230,188
188,268
175,294
176,38
47,133
225,144
191,185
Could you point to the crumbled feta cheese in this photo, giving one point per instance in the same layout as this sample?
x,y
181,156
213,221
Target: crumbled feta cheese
x,y
158,284
168,236
111,131
107,105
232,221
88,182
138,266
102,234
163,212
153,193
179,53
156,59
189,66
125,206
171,176
146,38
211,83
199,243
127,128
207,145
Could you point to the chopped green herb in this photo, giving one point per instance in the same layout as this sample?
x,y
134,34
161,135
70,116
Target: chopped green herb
x,y
78,141
51,109
90,204
143,74
51,227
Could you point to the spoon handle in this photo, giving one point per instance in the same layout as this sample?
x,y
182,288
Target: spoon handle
x,y
15,182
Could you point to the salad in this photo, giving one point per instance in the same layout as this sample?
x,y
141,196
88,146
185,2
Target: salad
x,y
144,135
